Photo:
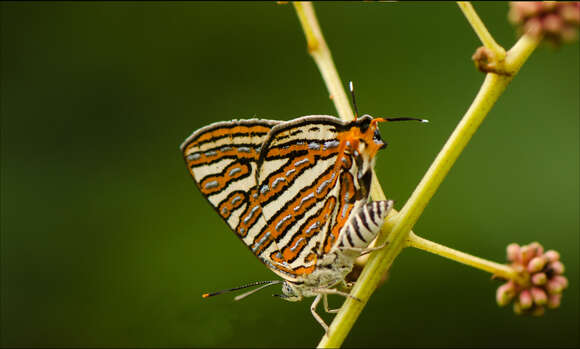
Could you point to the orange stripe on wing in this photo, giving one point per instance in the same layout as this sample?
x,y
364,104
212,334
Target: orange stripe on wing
x,y
309,229
224,132
300,205
208,157
280,180
251,214
216,183
231,203
305,270
347,191
301,270
284,150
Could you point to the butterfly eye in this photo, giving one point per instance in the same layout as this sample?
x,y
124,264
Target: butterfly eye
x,y
377,139
289,293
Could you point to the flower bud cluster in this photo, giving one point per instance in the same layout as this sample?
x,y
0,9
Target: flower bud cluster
x,y
556,21
544,280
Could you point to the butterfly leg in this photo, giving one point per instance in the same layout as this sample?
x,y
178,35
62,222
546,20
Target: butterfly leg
x,y
333,291
326,306
323,293
315,314
371,249
363,251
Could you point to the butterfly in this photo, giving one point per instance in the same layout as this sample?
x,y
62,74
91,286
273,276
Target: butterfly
x,y
296,193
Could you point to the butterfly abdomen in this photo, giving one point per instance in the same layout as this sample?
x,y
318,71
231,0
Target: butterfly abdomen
x,y
364,224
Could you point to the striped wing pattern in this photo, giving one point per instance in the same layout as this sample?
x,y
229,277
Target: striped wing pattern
x,y
306,183
296,193
222,159
287,189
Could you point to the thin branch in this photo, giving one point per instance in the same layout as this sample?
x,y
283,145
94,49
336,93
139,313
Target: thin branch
x,y
481,30
519,53
321,54
501,270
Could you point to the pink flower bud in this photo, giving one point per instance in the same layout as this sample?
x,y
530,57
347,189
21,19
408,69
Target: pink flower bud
x,y
515,16
539,279
562,280
539,296
526,9
533,27
553,23
556,21
554,287
526,253
536,264
537,247
513,250
570,14
526,300
505,293
554,301
552,255
557,267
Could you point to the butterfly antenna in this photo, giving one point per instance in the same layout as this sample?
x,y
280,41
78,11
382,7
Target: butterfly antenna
x,y
351,88
244,295
407,119
265,283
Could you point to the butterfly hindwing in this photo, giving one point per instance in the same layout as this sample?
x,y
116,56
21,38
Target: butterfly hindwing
x,y
306,183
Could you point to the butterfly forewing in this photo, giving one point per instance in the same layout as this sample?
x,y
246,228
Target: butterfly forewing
x,y
306,182
222,159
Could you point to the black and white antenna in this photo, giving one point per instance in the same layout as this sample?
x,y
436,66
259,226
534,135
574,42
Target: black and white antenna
x,y
263,283
351,88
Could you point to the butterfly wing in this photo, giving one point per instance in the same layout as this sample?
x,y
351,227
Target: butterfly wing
x,y
308,182
222,159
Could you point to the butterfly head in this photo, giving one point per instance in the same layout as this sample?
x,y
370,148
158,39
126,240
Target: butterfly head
x,y
372,137
364,138
289,293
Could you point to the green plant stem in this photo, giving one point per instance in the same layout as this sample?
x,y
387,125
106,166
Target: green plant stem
x,y
321,54
519,53
501,270
481,30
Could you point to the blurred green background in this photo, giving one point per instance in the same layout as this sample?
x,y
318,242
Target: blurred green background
x,y
107,242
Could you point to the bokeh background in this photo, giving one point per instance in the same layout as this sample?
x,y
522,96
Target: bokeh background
x,y
107,242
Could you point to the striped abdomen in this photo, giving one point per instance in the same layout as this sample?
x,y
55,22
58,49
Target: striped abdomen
x,y
364,224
